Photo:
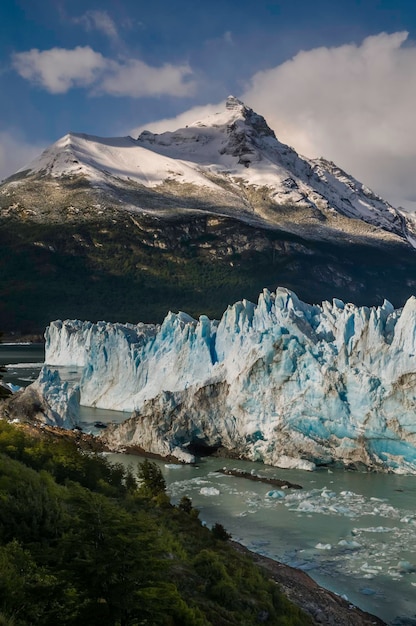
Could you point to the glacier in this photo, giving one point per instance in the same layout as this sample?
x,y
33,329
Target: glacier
x,y
281,381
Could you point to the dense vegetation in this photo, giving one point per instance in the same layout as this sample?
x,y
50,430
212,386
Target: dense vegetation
x,y
3,391
84,542
127,271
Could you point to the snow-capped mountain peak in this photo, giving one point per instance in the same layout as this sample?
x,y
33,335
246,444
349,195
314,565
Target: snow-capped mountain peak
x,y
236,131
234,104
235,159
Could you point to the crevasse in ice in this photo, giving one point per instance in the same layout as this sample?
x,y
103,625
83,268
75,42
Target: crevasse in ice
x,y
278,381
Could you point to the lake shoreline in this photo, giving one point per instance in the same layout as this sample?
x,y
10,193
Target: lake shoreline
x,y
324,606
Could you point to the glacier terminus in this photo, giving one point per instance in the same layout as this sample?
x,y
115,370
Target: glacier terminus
x,y
281,381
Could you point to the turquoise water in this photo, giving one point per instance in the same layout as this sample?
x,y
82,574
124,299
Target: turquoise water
x,y
354,533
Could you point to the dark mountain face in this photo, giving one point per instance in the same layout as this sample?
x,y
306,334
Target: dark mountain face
x,y
80,240
127,271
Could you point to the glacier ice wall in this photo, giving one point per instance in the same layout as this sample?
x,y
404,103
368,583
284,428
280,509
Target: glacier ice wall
x,y
277,380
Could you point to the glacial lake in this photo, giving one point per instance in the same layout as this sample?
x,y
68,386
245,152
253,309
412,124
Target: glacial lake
x,y
354,533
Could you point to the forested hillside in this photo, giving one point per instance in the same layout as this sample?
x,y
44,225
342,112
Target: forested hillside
x,y
86,542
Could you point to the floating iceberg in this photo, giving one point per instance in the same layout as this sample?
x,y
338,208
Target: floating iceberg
x,y
276,494
209,491
280,380
11,387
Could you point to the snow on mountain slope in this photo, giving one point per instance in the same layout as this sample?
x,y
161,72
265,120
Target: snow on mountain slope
x,y
329,383
231,154
99,159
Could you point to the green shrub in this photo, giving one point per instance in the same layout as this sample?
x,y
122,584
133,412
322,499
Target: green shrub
x,y
151,479
219,532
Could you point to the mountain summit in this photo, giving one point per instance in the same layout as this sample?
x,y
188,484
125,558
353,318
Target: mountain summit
x,y
232,158
221,192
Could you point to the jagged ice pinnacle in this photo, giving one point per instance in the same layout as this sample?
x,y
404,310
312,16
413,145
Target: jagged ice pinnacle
x,y
284,382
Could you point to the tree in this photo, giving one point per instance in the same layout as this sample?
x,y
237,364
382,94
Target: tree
x,y
185,504
112,556
151,478
220,533
4,392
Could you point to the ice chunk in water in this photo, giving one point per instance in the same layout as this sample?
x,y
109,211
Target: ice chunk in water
x,y
276,494
209,491
404,567
349,544
367,591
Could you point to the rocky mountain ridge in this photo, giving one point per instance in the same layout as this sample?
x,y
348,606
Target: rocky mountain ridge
x,y
221,208
232,156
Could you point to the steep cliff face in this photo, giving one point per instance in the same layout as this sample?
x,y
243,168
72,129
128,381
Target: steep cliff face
x,y
274,381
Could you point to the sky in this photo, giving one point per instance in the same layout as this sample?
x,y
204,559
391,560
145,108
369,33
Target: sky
x,y
333,78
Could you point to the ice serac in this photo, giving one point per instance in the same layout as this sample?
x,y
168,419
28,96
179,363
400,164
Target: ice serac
x,y
279,381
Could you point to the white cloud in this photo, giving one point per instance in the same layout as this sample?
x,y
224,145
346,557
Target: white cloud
x,y
15,152
58,70
136,79
180,121
354,104
98,20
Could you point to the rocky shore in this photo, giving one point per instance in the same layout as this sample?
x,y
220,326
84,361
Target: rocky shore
x,y
325,607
